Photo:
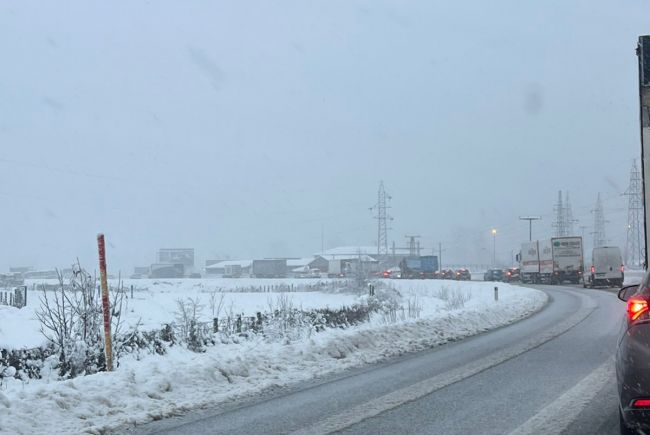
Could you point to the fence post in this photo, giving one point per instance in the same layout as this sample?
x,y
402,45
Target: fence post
x,y
131,291
238,323
496,293
215,325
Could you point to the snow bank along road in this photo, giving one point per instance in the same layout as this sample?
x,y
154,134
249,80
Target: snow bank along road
x,y
550,373
149,387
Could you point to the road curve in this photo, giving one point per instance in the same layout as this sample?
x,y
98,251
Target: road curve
x,y
549,373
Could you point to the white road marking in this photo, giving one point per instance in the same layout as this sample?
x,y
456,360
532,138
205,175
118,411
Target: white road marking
x,y
416,391
559,414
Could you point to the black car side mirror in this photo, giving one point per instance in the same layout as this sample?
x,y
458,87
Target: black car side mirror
x,y
626,292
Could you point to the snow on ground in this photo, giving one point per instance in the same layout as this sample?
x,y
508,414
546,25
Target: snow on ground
x,y
633,276
160,386
154,303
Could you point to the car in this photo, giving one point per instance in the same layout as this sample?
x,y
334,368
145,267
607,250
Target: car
x,y
447,274
633,358
512,275
493,275
463,275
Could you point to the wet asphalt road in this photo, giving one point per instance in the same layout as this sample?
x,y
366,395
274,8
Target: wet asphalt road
x,y
550,373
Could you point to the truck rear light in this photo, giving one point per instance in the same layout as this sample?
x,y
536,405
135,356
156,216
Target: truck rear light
x,y
593,269
636,307
622,268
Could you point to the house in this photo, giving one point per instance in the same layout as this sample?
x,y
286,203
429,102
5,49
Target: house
x,y
230,268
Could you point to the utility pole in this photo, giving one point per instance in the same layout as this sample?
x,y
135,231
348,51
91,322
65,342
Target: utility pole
x,y
600,239
530,220
643,54
634,241
381,207
494,246
439,256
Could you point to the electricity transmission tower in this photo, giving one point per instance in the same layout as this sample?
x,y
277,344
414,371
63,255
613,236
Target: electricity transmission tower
x,y
568,216
560,221
600,239
563,216
381,207
633,246
414,246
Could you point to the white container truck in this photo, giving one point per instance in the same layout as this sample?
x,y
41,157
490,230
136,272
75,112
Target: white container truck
x,y
545,261
552,261
529,262
568,260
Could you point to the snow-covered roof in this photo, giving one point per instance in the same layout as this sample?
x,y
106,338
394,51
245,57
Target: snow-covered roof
x,y
222,264
367,250
364,258
297,262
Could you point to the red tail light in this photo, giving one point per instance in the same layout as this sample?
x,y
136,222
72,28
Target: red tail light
x,y
593,269
622,268
641,403
636,307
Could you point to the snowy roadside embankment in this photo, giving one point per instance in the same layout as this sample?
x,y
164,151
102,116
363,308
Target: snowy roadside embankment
x,y
158,386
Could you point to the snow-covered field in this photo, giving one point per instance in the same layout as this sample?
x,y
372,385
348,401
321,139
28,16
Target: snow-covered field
x,y
154,303
155,386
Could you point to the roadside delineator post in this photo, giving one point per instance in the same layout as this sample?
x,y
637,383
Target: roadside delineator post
x,y
496,293
106,305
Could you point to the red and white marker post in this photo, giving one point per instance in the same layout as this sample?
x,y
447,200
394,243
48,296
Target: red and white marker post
x,y
106,304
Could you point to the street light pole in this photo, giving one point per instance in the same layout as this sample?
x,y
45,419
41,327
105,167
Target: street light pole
x,y
530,220
494,247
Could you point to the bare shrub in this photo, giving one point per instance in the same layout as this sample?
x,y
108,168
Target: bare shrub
x,y
442,293
414,308
457,299
71,319
187,313
216,303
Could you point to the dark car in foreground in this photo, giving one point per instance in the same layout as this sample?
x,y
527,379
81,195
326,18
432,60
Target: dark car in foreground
x,y
493,275
633,359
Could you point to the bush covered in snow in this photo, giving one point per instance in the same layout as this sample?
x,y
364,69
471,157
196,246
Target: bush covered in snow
x,y
71,320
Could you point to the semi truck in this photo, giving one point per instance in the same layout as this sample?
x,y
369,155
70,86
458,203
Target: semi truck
x,y
553,261
423,267
269,268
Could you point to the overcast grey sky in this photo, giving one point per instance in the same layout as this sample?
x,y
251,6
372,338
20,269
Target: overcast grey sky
x,y
241,128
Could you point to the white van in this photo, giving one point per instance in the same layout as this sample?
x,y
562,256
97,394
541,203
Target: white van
x,y
606,267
